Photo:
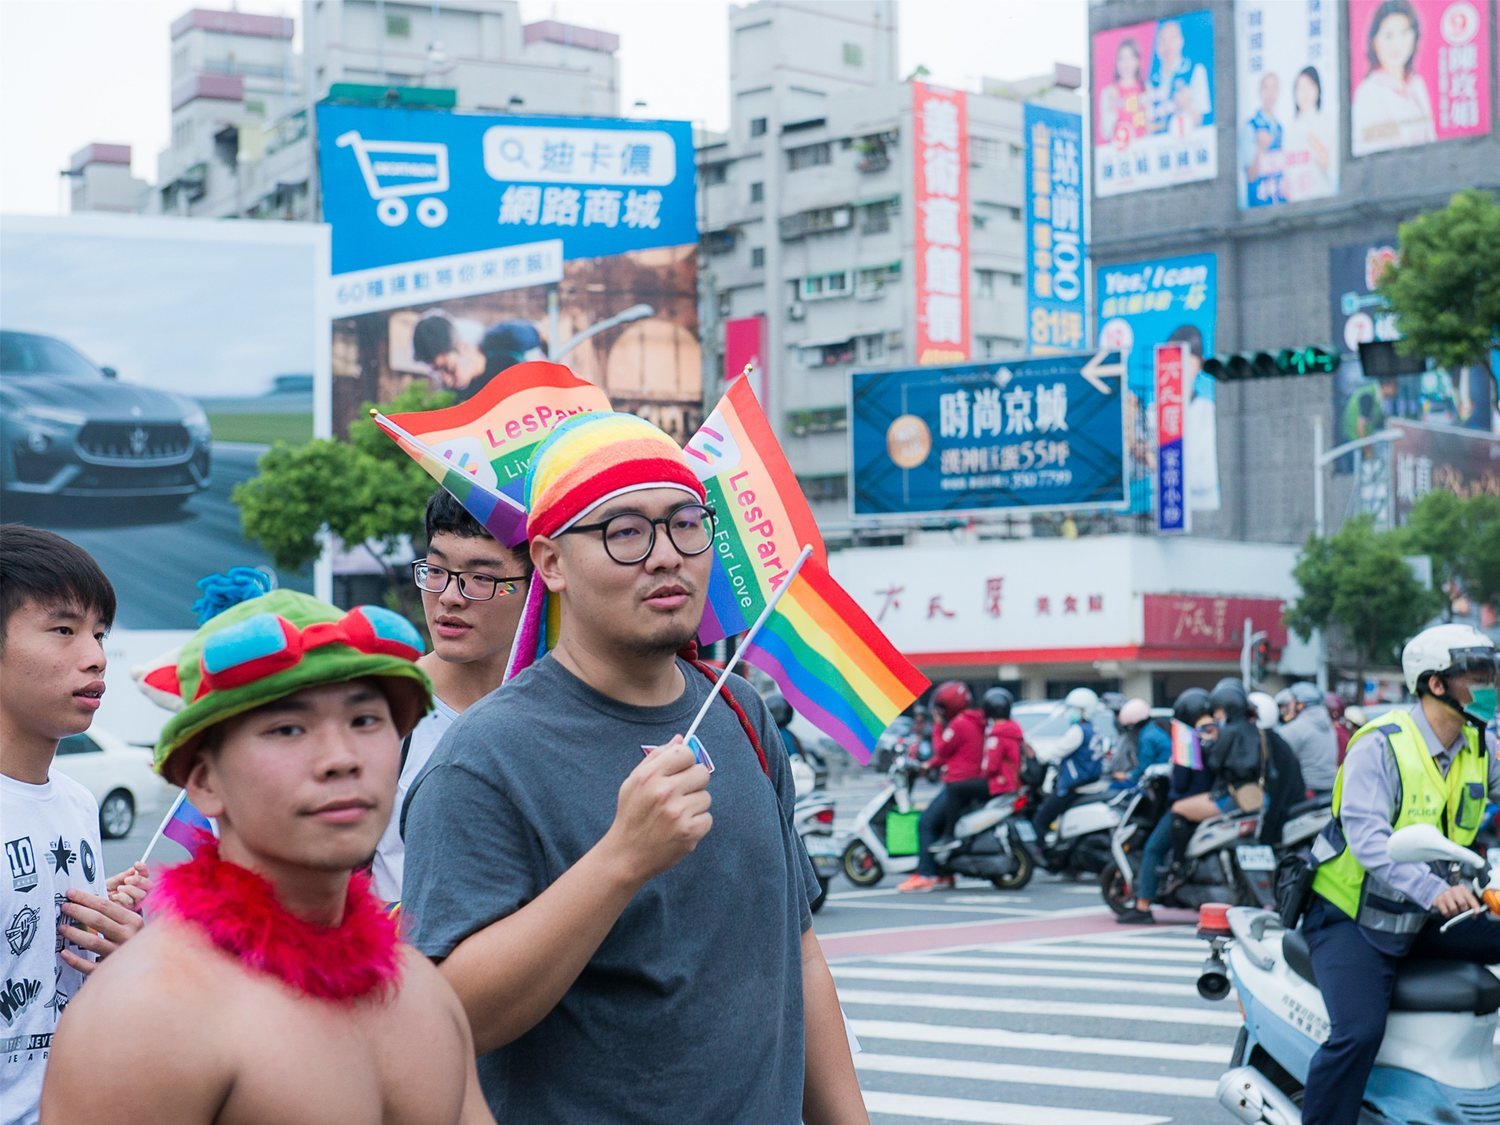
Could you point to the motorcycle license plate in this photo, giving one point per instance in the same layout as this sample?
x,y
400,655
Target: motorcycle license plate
x,y
1255,857
1026,830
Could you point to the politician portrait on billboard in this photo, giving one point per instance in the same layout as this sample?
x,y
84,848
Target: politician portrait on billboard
x,y
1287,78
1419,71
1154,103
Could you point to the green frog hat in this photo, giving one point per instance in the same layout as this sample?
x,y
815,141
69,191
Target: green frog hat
x,y
255,645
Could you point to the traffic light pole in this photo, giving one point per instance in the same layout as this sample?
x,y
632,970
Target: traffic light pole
x,y
1322,459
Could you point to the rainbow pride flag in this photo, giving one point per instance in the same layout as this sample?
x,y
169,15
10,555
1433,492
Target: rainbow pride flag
x,y
832,662
479,449
187,825
1186,750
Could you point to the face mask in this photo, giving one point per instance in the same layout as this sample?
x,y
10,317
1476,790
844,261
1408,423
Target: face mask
x,y
1482,703
1075,715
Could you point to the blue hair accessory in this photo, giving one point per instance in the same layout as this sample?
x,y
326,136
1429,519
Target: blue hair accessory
x,y
219,592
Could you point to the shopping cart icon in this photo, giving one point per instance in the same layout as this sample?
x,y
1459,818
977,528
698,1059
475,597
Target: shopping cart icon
x,y
396,169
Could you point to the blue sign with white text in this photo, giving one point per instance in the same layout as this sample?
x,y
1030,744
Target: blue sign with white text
x,y
404,185
1055,249
1037,433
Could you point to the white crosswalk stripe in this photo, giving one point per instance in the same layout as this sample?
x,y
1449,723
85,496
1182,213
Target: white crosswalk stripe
x,y
1105,1029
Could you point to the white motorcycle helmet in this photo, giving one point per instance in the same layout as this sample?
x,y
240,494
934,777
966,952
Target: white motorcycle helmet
x,y
1081,700
1446,648
1266,712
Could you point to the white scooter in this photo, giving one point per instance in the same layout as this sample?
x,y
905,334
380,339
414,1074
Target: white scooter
x,y
985,841
1437,1062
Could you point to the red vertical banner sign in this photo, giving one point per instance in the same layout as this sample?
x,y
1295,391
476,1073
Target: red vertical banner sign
x,y
745,346
941,157
1171,488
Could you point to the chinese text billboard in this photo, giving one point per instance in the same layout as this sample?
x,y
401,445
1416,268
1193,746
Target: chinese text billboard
x,y
1040,433
1154,104
1288,86
1141,305
940,125
1446,458
465,243
1419,71
744,353
1054,231
1173,514
145,367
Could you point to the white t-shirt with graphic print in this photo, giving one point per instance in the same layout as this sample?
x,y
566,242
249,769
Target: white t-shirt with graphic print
x,y
51,837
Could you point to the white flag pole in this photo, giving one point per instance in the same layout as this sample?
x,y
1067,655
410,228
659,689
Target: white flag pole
x,y
765,614
162,827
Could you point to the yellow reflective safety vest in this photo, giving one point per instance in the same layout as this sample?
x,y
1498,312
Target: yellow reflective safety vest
x,y
1453,804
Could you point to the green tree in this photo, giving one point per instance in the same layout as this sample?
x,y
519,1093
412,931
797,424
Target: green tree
x,y
365,491
1446,288
1356,582
1463,538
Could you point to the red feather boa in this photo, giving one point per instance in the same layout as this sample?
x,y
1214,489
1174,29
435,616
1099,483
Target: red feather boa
x,y
238,911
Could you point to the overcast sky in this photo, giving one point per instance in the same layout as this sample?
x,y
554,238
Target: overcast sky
x,y
76,71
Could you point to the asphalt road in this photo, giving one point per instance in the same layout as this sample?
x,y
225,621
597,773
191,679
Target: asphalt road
x,y
154,555
1031,1007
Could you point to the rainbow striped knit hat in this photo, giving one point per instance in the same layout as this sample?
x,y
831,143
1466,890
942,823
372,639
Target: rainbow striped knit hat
x,y
595,457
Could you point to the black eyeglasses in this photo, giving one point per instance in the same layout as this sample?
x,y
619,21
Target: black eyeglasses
x,y
630,537
472,584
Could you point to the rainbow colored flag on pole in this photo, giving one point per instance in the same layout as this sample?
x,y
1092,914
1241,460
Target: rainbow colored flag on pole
x,y
478,450
832,662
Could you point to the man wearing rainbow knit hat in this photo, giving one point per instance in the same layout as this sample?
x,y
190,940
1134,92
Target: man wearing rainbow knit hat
x,y
269,984
625,915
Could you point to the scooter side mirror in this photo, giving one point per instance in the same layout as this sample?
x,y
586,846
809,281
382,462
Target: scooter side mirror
x,y
1423,843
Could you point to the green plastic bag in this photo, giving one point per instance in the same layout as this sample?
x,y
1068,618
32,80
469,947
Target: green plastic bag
x,y
901,832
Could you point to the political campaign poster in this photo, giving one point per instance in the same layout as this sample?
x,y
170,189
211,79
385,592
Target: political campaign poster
x,y
465,243
1141,305
1288,85
1154,104
1055,245
1362,405
1419,72
145,366
985,437
941,167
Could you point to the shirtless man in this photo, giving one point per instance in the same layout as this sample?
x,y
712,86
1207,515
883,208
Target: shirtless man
x,y
269,985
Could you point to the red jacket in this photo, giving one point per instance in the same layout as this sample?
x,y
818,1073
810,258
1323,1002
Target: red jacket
x,y
959,745
1002,756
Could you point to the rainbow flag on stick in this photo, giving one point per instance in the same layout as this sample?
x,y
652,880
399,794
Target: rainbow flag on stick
x,y
184,824
1186,749
830,660
479,449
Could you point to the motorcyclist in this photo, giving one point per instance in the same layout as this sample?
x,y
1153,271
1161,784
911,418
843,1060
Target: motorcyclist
x,y
1422,765
958,751
1074,754
1193,731
1144,742
1003,739
1266,712
1342,728
781,714
1310,734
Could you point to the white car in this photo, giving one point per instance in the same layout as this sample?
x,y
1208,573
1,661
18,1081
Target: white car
x,y
118,775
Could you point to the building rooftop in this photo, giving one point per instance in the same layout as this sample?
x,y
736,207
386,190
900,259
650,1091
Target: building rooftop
x,y
570,35
233,23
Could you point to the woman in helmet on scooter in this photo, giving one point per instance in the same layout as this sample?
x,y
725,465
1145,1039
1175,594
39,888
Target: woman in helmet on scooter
x,y
957,750
1425,765
1075,756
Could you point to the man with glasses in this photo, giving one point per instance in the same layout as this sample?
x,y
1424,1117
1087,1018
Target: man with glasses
x,y
1423,765
472,593
625,954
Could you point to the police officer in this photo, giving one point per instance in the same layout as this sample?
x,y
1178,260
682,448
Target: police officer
x,y
1424,765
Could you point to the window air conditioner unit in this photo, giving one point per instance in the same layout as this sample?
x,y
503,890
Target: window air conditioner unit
x,y
796,310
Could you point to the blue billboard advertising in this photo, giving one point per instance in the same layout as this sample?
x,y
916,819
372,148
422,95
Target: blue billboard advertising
x,y
1055,248
465,243
1141,305
978,437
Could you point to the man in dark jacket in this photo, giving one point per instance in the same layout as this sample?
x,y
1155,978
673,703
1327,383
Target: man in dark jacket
x,y
957,750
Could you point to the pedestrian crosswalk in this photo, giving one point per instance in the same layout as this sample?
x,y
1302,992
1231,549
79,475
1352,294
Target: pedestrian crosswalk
x,y
1106,1029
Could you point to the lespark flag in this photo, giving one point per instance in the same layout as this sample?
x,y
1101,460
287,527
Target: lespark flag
x,y
479,449
830,660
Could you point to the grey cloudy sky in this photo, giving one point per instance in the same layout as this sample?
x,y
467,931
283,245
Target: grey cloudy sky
x,y
76,71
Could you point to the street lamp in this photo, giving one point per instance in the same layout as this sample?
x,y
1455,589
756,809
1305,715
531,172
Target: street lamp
x,y
1322,459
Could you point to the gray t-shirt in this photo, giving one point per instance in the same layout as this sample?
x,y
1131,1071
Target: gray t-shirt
x,y
691,1009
